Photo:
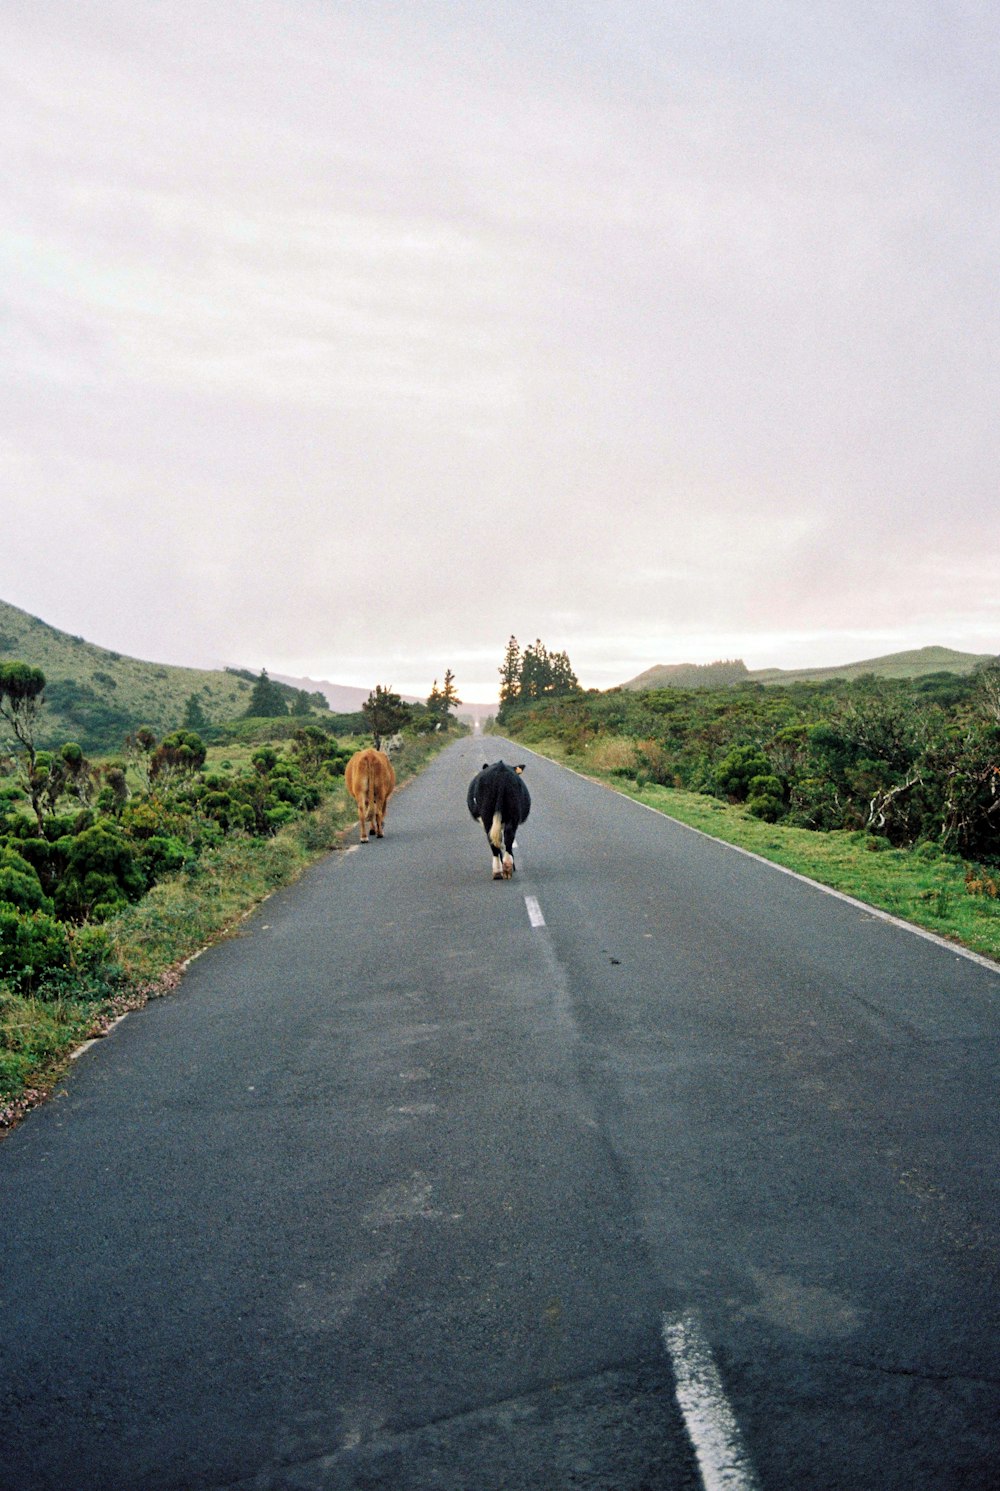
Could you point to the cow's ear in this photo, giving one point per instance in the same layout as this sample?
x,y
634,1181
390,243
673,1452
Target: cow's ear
x,y
486,766
519,769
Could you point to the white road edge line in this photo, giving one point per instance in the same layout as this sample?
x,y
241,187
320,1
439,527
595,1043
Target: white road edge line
x,y
96,1039
708,1417
535,916
876,911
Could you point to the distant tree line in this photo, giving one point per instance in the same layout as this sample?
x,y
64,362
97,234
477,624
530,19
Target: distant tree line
x,y
386,713
270,700
531,675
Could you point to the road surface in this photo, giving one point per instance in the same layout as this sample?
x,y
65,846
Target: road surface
x,y
653,1167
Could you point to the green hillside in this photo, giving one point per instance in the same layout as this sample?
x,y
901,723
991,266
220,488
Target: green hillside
x,y
691,676
97,697
916,664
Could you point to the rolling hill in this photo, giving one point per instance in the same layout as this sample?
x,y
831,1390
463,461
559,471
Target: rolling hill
x,y
915,664
97,697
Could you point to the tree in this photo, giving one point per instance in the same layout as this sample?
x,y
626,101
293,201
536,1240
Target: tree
x,y
449,693
435,706
195,717
987,695
267,702
535,671
139,750
534,674
563,680
510,675
81,779
385,714
440,702
22,694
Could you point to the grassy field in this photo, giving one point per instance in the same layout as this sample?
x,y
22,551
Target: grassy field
x,y
154,938
939,892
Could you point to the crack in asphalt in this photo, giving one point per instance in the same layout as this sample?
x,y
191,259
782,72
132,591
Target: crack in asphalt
x,y
656,1369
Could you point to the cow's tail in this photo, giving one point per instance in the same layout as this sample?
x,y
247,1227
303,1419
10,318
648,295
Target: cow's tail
x,y
368,790
496,832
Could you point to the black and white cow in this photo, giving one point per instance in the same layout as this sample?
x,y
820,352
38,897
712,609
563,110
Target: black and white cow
x,y
501,801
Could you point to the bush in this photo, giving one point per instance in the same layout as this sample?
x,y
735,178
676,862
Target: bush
x,y
765,798
102,874
32,945
161,855
736,771
278,816
179,754
20,885
92,948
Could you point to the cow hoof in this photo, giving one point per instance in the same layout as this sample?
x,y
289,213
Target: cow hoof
x,y
498,875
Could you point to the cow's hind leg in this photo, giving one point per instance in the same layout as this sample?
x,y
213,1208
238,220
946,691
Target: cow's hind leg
x,y
509,867
494,832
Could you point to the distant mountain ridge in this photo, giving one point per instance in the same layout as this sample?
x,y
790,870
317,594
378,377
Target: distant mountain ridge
x,y
344,698
914,664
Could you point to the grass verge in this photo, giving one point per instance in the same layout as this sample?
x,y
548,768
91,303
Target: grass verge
x,y
153,939
940,892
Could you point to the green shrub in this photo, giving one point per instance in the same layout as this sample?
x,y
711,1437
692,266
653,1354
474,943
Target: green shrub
x,y
737,769
279,815
765,798
102,874
162,855
20,885
92,948
32,945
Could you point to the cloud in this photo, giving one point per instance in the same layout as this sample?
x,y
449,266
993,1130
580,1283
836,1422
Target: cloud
x,y
344,339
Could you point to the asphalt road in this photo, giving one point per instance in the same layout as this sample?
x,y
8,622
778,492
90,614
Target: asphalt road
x,y
652,1168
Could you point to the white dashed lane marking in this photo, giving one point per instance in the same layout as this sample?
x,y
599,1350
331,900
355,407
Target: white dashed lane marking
x,y
534,911
710,1421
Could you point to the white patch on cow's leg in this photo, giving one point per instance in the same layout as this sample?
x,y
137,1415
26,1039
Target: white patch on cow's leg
x,y
508,866
496,833
497,868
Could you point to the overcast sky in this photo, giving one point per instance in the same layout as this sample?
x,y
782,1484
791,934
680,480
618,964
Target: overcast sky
x,y
347,339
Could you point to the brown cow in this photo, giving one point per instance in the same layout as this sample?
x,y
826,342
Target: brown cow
x,y
370,780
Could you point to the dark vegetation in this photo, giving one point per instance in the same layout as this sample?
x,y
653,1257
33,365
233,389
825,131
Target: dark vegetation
x,y
913,762
80,841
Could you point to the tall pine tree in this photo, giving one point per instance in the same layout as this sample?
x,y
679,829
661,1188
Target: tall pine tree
x,y
267,702
510,677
